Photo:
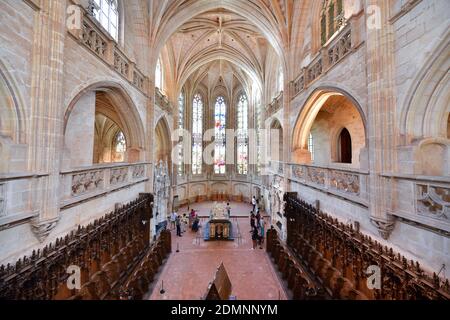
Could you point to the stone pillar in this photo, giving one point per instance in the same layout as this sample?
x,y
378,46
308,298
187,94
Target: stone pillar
x,y
47,110
381,106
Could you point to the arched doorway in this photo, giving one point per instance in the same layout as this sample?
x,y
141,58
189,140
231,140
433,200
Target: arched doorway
x,y
345,147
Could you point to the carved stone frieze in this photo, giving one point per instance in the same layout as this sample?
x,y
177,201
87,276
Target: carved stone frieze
x,y
433,201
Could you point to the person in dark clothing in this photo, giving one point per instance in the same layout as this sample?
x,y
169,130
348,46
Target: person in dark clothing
x,y
252,222
195,225
255,237
178,223
258,219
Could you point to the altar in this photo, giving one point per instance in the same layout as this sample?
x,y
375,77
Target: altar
x,y
219,226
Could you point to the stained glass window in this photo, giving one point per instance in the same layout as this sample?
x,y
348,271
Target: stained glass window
x,y
107,13
242,135
197,134
180,126
220,136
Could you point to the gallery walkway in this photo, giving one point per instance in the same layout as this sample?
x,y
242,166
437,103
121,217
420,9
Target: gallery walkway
x,y
186,274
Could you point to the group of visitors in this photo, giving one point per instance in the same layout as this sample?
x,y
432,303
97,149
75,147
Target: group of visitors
x,y
181,222
256,206
257,229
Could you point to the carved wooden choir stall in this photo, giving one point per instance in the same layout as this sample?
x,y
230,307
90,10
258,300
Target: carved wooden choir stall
x,y
114,255
331,260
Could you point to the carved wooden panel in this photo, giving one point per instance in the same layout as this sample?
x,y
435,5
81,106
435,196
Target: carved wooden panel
x,y
113,255
340,257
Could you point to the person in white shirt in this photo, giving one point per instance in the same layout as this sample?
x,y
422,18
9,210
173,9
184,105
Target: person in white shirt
x,y
173,219
254,203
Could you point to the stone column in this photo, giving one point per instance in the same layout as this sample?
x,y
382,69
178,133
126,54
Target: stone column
x,y
46,120
381,106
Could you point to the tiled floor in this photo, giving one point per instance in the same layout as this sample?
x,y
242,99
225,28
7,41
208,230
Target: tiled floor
x,y
186,274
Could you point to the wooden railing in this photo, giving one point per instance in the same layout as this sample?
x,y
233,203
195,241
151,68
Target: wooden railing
x,y
100,43
108,253
326,59
341,256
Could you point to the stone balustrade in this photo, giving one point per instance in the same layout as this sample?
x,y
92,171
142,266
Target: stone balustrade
x,y
18,194
97,40
422,200
329,56
86,183
348,183
276,105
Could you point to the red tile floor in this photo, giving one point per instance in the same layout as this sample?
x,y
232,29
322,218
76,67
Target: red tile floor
x,y
186,274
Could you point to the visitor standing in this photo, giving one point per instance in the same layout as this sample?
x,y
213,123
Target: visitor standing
x,y
229,210
254,203
252,222
178,225
262,230
254,237
173,220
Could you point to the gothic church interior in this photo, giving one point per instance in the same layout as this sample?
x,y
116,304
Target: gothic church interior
x,y
137,137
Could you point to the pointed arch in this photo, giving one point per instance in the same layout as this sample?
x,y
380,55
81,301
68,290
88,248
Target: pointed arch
x,y
427,104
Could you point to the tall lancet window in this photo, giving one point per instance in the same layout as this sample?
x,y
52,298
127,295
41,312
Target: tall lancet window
x,y
242,135
220,136
331,19
159,76
119,147
197,134
181,106
107,13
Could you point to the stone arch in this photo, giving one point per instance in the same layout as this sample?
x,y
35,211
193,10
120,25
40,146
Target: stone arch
x,y
329,99
163,144
12,125
12,108
427,104
112,101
